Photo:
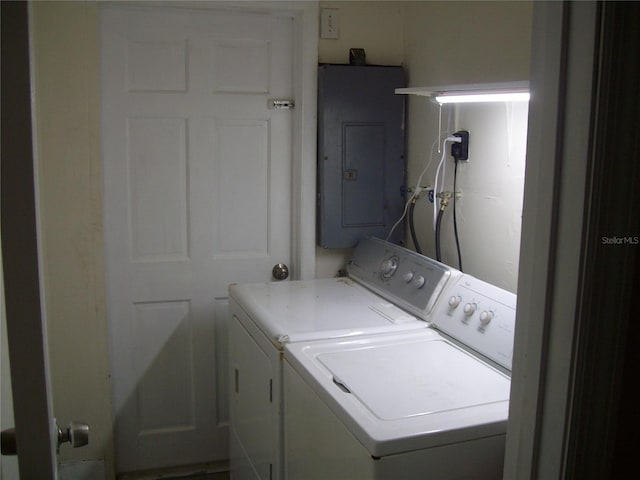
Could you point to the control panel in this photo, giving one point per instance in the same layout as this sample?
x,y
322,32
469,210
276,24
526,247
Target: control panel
x,y
479,315
410,280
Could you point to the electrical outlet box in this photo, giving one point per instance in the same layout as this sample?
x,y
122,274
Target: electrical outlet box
x,y
329,23
460,150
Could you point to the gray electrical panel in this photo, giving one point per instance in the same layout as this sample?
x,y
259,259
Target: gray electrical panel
x,y
361,154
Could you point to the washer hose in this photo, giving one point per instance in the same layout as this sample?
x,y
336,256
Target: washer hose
x,y
438,222
455,220
412,227
443,204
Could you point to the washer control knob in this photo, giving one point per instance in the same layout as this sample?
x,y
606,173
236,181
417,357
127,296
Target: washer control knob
x,y
454,301
469,308
388,267
486,317
418,281
407,277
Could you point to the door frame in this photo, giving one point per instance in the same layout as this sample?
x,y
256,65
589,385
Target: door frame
x,y
556,175
575,353
305,79
22,259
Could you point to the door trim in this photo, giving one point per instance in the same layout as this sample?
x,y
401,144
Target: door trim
x,y
22,249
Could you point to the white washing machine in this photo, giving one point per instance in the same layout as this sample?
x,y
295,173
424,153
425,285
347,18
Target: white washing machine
x,y
429,404
388,289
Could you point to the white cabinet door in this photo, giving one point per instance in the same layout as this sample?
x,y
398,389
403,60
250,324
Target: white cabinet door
x,y
252,407
197,182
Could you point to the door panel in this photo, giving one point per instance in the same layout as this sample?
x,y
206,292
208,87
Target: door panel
x,y
242,148
197,173
163,349
158,176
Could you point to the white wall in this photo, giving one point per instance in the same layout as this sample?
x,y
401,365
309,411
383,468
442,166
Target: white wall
x,y
491,183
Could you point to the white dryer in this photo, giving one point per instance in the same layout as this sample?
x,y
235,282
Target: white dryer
x,y
389,289
424,404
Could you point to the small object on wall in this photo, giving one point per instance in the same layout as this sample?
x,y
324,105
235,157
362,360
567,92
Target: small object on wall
x,y
329,23
357,56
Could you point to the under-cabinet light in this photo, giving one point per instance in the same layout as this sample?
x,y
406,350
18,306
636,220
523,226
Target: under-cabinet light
x,y
470,97
479,92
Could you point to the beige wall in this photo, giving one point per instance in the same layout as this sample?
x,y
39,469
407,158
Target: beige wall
x,y
438,43
377,27
450,43
68,151
374,26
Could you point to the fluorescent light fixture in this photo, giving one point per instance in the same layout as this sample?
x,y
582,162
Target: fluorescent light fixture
x,y
472,97
487,92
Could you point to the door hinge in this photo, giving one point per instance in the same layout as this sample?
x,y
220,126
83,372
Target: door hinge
x,y
280,104
271,390
237,379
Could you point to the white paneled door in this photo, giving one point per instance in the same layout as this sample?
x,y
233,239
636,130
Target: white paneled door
x,y
197,172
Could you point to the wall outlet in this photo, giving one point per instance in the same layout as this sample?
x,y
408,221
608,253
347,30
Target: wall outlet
x,y
460,151
329,23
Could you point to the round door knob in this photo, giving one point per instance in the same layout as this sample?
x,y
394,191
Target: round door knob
x,y
8,442
280,271
77,434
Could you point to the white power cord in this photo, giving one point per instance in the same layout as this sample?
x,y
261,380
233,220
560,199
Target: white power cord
x,y
443,164
416,191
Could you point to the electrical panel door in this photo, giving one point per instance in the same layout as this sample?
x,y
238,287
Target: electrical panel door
x,y
361,153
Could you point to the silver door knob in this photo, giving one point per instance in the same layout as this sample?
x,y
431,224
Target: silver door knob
x,y
77,434
8,442
280,271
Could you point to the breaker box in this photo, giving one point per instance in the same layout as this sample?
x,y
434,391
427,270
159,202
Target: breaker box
x,y
361,154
